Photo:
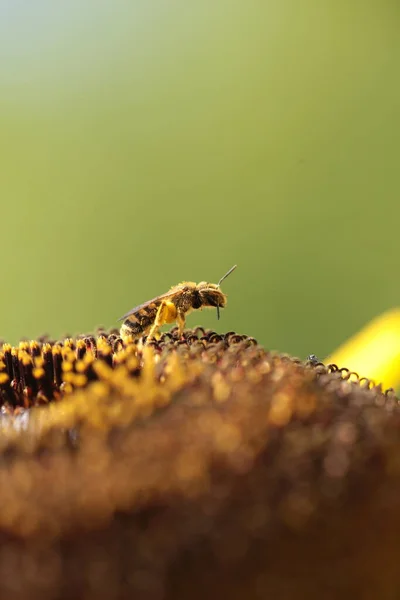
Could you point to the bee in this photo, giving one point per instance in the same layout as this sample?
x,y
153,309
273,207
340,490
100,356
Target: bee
x,y
173,306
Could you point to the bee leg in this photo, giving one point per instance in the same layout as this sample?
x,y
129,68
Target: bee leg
x,y
180,320
166,314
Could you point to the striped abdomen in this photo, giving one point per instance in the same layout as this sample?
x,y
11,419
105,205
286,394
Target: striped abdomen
x,y
139,322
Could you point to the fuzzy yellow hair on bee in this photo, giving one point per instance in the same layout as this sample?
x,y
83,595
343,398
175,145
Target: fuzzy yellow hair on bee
x,y
173,306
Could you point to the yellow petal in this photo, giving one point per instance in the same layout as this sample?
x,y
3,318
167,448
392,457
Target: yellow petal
x,y
374,352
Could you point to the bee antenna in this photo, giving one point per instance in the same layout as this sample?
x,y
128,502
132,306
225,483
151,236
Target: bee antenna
x,y
226,275
218,311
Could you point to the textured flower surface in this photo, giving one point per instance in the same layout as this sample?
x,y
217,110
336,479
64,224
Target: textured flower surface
x,y
190,468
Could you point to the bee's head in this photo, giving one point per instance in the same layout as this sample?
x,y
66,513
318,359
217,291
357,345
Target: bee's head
x,y
210,293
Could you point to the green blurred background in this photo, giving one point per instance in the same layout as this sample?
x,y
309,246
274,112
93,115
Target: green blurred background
x,y
147,142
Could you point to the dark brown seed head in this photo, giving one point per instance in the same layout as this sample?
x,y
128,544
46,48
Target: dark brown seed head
x,y
201,466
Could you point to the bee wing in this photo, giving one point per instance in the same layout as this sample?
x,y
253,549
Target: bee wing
x,y
156,300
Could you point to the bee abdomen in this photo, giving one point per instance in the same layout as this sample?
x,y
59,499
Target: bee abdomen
x,y
140,322
130,328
